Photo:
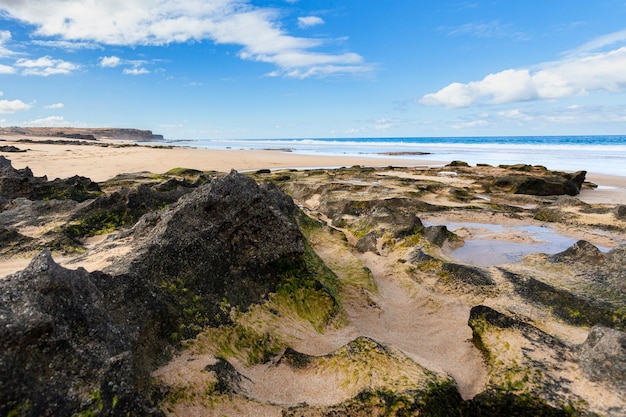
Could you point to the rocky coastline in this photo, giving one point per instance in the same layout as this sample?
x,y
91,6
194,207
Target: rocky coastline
x,y
314,292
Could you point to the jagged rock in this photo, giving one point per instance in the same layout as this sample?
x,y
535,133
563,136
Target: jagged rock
x,y
603,356
16,183
228,379
620,212
606,268
227,239
56,340
581,251
12,241
73,341
437,235
122,208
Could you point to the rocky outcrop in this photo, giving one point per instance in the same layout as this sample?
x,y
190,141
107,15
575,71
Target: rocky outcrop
x,y
74,341
603,356
59,341
528,368
16,183
552,183
580,252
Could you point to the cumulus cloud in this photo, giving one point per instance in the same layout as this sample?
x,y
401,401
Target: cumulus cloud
x,y
308,21
110,61
13,106
45,66
136,71
575,74
54,106
146,22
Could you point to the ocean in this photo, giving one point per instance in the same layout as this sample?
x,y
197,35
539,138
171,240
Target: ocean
x,y
598,154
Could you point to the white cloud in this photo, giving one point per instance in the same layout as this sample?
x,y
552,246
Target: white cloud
x,y
571,76
50,121
136,71
45,66
308,21
110,61
515,114
13,106
5,69
54,106
598,43
146,22
5,37
471,124
67,45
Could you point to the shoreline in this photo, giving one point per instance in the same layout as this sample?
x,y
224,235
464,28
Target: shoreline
x,y
105,159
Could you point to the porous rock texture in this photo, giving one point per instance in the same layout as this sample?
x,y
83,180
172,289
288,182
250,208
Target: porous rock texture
x,y
73,341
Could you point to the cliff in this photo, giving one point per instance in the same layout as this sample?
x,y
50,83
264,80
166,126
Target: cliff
x,y
83,133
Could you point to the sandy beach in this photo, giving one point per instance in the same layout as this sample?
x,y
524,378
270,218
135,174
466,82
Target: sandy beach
x,y
100,163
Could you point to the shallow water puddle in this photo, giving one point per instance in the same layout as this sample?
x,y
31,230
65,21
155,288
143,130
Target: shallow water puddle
x,y
492,244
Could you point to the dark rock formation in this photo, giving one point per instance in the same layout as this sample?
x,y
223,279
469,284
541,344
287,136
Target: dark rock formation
x,y
10,148
540,185
228,379
458,164
437,235
580,309
529,381
73,341
602,268
469,275
603,356
16,183
228,239
58,341
581,251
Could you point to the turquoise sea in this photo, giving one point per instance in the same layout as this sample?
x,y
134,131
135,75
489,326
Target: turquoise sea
x,y
599,154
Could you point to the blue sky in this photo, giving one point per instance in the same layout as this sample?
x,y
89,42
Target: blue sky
x,y
299,68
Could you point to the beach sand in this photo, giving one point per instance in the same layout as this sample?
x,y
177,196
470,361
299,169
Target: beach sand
x,y
101,163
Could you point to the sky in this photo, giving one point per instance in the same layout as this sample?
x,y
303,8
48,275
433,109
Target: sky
x,y
221,69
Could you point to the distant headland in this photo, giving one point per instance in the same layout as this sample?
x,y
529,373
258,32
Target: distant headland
x,y
83,133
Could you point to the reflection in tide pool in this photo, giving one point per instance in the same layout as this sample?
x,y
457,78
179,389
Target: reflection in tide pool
x,y
487,245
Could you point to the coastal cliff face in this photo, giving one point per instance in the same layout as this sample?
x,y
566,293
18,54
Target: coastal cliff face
x,y
83,133
211,293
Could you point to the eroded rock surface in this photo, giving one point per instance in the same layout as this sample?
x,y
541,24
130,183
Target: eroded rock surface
x,y
77,341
